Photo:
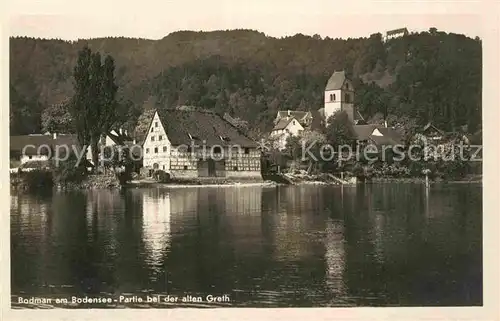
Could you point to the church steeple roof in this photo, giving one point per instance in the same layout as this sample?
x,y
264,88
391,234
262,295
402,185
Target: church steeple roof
x,y
336,80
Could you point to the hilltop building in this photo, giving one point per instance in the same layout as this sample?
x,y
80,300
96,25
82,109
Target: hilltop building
x,y
191,143
396,33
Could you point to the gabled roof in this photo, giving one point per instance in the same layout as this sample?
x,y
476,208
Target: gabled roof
x,y
396,31
358,116
38,164
20,142
71,141
430,126
391,134
236,122
282,123
336,80
363,132
184,125
299,115
389,137
32,143
119,139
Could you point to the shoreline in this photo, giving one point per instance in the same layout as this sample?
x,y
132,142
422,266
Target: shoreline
x,y
146,184
149,183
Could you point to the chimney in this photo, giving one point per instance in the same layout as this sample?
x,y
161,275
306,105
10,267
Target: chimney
x,y
54,135
121,131
288,112
125,131
385,123
135,141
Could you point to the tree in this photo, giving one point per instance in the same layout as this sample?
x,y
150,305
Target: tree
x,y
339,130
307,147
93,106
426,77
143,123
57,118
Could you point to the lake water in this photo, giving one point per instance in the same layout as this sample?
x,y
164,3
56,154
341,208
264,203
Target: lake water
x,y
370,245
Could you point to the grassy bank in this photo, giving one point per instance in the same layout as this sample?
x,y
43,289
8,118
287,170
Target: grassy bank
x,y
38,180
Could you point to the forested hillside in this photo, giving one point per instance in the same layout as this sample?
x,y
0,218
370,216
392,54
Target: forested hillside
x,y
429,76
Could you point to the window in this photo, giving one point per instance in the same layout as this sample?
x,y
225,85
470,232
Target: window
x,y
156,124
156,150
217,150
247,151
293,123
152,129
188,149
331,97
164,148
347,85
347,98
334,97
235,168
163,167
160,137
147,150
185,167
30,157
152,138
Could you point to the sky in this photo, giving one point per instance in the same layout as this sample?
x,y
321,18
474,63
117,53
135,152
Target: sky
x,y
154,19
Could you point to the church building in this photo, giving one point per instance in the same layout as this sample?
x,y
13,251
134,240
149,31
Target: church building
x,y
339,96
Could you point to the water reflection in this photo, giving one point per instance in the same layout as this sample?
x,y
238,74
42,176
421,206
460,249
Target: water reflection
x,y
335,260
292,246
156,216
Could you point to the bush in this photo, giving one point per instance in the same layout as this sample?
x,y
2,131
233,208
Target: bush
x,y
456,169
36,180
161,176
358,171
416,169
68,172
124,175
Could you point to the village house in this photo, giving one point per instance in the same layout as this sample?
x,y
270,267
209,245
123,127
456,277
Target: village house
x,y
188,143
115,137
386,136
303,117
396,33
439,143
376,135
28,151
26,148
288,124
338,96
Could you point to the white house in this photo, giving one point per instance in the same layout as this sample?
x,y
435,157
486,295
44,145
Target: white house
x,y
284,128
188,143
305,118
30,149
117,137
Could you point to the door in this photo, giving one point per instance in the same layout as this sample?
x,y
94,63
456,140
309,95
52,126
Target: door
x,y
211,168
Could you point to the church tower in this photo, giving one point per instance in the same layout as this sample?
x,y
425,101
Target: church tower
x,y
339,96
